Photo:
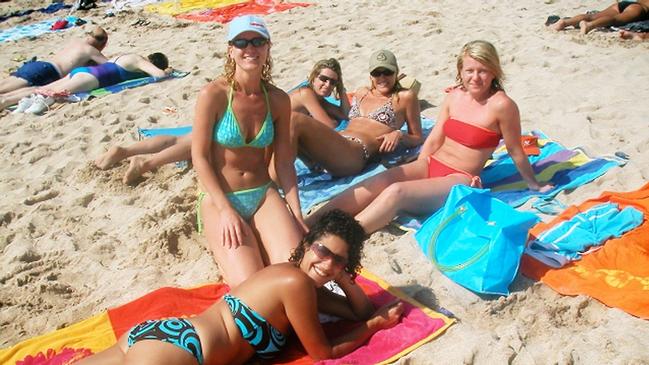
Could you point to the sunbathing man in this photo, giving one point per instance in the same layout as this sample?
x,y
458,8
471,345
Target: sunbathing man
x,y
33,74
619,13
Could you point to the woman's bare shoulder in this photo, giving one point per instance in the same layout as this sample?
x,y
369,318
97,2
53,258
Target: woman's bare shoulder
x,y
500,101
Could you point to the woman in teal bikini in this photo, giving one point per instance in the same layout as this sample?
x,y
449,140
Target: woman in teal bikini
x,y
257,317
241,121
325,79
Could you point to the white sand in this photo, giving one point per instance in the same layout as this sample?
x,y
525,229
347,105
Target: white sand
x,y
76,241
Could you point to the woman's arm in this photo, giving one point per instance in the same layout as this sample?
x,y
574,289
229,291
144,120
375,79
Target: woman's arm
x,y
212,100
301,311
306,97
509,121
355,305
284,155
390,141
144,65
436,137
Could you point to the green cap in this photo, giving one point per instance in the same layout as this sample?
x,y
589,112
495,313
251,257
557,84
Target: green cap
x,y
383,59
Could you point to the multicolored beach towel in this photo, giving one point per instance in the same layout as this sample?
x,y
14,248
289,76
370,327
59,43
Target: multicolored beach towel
x,y
183,6
36,29
226,14
129,84
617,274
418,326
563,167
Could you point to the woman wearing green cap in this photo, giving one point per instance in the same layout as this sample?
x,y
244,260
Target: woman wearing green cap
x,y
241,120
376,116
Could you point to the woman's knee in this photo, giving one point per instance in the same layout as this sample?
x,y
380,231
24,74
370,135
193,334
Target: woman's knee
x,y
394,194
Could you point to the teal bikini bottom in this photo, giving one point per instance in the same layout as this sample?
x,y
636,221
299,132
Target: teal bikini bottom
x,y
245,202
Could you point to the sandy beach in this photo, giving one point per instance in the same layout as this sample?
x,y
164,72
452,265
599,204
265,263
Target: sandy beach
x,y
74,240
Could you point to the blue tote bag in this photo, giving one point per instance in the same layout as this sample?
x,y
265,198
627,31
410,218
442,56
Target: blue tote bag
x,y
476,240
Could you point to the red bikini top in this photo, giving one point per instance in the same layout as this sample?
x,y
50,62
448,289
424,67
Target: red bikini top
x,y
470,135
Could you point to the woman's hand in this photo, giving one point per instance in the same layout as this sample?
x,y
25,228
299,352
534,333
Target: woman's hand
x,y
389,141
387,316
233,228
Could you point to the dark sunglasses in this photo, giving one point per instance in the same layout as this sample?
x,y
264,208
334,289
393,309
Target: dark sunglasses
x,y
324,78
323,252
381,72
243,43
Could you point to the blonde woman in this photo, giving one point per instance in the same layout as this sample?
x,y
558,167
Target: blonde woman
x,y
241,120
473,118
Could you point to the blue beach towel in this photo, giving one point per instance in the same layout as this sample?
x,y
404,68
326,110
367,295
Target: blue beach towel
x,y
50,9
36,29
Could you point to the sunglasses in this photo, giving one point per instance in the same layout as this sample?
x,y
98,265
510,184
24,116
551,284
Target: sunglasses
x,y
326,79
243,43
381,72
323,252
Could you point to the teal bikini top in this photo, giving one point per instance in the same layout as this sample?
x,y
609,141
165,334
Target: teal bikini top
x,y
228,134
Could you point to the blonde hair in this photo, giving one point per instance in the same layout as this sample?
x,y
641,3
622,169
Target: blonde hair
x,y
230,66
334,66
485,53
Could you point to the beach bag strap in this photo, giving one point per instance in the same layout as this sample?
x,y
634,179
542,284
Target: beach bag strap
x,y
432,252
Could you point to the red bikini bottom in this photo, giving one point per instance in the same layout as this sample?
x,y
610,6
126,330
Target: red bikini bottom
x,y
437,168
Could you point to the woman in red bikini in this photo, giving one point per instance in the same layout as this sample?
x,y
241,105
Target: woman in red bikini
x,y
475,115
376,116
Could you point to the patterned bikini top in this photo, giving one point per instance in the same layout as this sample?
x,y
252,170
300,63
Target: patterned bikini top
x,y
383,114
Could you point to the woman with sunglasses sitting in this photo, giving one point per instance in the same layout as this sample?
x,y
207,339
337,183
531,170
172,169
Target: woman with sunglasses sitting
x,y
475,115
242,120
325,78
257,317
376,116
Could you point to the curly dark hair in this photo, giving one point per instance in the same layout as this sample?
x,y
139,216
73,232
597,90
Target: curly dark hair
x,y
340,224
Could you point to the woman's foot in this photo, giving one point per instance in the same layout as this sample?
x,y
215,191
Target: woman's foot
x,y
110,157
559,25
625,34
584,27
135,170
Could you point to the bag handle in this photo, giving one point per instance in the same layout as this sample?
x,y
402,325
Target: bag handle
x,y
433,245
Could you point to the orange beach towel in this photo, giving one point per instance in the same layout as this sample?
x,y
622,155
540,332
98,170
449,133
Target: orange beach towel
x,y
617,274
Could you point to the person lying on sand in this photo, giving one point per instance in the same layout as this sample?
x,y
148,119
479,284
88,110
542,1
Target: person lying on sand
x,y
116,70
474,116
324,79
619,13
376,116
258,315
32,74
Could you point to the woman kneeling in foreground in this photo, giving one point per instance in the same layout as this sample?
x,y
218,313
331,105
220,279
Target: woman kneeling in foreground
x,y
473,118
256,316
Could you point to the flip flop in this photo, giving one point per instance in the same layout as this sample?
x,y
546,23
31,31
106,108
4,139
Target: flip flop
x,y
552,19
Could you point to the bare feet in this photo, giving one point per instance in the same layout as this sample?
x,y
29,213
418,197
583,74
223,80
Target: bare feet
x,y
625,34
584,28
135,170
559,25
110,157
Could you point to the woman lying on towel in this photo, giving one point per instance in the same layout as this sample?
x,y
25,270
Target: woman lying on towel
x,y
618,13
257,317
376,116
325,78
473,118
80,79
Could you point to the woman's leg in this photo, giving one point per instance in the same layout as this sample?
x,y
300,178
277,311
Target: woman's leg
x,y
278,232
326,147
179,150
614,17
13,97
77,83
236,264
359,196
577,19
110,356
418,197
149,145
